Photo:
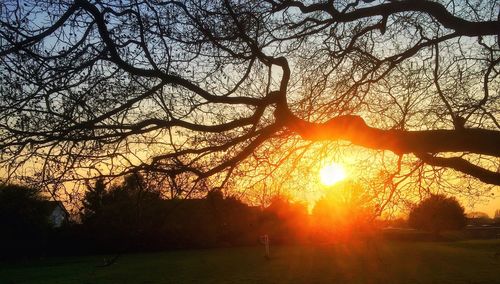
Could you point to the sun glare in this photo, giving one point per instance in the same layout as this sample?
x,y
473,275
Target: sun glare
x,y
331,174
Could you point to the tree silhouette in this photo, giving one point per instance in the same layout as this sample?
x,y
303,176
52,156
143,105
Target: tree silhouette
x,y
121,215
22,208
93,199
497,214
346,210
24,220
437,213
197,87
478,218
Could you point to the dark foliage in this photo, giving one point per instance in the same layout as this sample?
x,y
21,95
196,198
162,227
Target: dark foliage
x,y
133,217
478,219
93,200
437,213
285,221
23,220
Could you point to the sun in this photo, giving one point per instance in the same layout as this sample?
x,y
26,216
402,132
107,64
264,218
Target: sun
x,y
331,174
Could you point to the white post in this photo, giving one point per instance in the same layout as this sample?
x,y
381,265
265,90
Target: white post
x,y
265,240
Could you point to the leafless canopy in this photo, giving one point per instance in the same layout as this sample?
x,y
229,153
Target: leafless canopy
x,y
197,86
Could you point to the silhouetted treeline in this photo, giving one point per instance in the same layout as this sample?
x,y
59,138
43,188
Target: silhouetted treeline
x,y
131,216
25,228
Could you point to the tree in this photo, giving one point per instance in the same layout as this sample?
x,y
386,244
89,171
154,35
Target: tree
x,y
198,87
22,206
478,218
23,219
93,200
284,221
345,211
234,221
477,215
437,213
120,217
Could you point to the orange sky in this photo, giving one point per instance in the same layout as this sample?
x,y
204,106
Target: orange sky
x,y
311,189
488,207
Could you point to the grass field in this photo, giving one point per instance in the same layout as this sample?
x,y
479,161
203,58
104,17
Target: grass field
x,y
381,262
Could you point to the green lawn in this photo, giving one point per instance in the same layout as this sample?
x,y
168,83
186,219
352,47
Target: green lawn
x,y
382,262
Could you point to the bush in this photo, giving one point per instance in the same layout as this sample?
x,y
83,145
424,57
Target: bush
x,y
23,220
437,213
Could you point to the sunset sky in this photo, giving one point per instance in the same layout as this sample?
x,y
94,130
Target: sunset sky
x,y
333,173
255,96
249,141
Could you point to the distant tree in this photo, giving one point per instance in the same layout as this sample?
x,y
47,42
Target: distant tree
x,y
497,214
477,215
478,218
93,199
23,219
215,198
346,209
284,221
234,221
20,206
118,217
399,222
437,213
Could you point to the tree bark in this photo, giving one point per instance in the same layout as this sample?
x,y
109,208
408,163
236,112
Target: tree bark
x,y
424,143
